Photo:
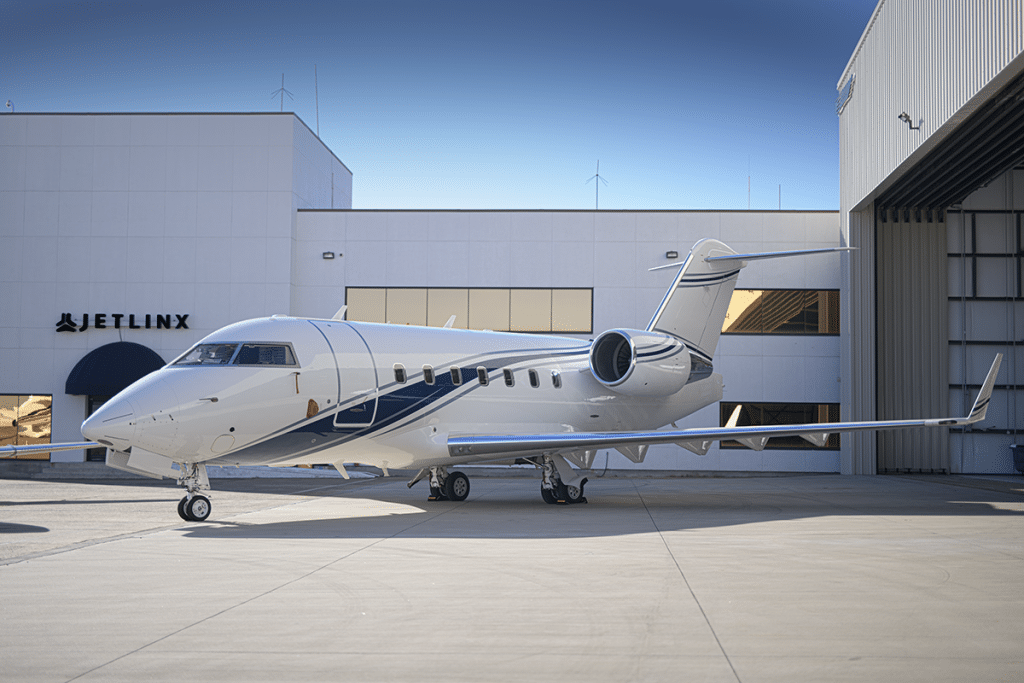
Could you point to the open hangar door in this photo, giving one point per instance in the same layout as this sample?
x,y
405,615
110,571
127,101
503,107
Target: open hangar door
x,y
949,293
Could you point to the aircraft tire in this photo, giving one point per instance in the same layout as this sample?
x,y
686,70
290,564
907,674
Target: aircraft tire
x,y
572,494
181,509
198,509
436,494
548,495
456,486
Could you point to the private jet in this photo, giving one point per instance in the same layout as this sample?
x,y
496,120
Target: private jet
x,y
284,391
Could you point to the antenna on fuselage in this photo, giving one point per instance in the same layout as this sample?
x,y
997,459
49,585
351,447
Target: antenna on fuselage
x,y
340,315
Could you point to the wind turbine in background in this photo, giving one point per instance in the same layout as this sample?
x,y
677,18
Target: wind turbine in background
x,y
597,183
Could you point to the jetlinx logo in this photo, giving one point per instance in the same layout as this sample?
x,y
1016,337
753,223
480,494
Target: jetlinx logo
x,y
118,321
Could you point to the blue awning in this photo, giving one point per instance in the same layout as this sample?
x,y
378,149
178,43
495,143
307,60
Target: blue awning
x,y
109,369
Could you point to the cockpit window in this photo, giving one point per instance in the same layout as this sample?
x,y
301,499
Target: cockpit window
x,y
209,354
265,354
249,353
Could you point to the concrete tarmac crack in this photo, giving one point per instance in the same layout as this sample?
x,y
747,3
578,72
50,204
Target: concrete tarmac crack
x,y
682,574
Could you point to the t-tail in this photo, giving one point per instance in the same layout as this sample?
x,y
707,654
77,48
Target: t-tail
x,y
693,310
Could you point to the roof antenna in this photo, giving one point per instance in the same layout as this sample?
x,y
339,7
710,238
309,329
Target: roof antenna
x,y
282,92
597,185
10,105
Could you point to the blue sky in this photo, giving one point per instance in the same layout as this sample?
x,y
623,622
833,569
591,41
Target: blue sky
x,y
493,105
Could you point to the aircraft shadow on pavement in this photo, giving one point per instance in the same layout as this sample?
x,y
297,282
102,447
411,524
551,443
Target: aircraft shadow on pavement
x,y
11,528
622,509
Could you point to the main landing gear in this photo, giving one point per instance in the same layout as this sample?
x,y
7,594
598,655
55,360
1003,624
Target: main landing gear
x,y
194,507
448,486
554,491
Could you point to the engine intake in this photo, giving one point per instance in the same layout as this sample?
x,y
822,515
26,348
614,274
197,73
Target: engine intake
x,y
637,363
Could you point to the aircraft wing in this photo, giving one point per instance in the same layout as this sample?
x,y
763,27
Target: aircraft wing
x,y
633,444
9,451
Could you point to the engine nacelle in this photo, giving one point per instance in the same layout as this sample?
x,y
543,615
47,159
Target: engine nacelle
x,y
637,363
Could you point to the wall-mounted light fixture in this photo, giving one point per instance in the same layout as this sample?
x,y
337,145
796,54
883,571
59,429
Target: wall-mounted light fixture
x,y
671,254
905,117
328,254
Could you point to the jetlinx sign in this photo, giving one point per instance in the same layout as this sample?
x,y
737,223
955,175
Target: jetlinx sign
x,y
121,321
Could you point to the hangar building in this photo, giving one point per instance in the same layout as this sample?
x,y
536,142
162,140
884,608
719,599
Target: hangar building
x,y
931,115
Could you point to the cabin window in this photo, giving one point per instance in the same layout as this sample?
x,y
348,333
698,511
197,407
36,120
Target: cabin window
x,y
534,379
456,376
481,375
264,354
428,374
510,379
556,379
400,373
209,354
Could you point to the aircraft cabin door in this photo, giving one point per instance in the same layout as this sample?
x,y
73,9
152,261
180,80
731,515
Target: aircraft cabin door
x,y
358,400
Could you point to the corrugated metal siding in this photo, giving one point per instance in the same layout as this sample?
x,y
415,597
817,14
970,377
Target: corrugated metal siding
x,y
925,58
912,347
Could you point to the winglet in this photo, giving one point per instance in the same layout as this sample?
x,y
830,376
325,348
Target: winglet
x,y
985,395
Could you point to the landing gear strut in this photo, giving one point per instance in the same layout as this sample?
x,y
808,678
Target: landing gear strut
x,y
448,486
554,491
194,507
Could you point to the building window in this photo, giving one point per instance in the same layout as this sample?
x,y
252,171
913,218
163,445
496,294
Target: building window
x,y
565,310
26,421
783,311
782,414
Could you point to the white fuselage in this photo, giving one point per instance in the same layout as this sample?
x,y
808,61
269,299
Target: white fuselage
x,y
341,399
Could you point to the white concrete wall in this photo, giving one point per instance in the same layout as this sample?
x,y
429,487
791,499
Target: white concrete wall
x,y
144,213
610,251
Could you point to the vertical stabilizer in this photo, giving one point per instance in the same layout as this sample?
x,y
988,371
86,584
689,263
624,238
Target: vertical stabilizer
x,y
695,306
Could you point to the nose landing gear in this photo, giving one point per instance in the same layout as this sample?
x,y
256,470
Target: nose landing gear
x,y
194,507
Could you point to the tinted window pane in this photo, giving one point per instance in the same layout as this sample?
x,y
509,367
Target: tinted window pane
x,y
209,354
265,354
782,311
25,421
365,304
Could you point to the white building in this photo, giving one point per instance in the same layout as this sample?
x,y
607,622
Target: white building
x,y
157,229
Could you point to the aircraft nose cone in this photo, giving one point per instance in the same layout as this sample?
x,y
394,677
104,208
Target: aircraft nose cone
x,y
113,425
